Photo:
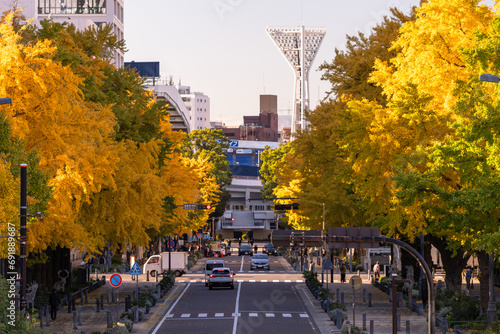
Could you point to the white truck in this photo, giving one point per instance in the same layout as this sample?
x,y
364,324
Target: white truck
x,y
158,263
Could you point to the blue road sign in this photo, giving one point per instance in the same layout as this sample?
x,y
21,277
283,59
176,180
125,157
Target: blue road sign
x,y
115,280
135,270
171,243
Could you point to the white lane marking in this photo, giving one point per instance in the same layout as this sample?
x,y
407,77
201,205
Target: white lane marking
x,y
287,281
269,315
242,260
167,315
276,280
170,315
253,315
236,308
219,314
287,315
185,315
304,315
299,281
240,280
252,281
202,315
263,280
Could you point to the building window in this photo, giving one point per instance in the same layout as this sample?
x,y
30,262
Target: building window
x,y
259,208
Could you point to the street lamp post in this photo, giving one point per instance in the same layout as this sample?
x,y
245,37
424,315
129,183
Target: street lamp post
x,y
491,311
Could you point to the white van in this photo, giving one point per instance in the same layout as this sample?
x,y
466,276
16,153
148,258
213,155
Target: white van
x,y
209,266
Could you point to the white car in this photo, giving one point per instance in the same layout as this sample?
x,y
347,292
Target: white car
x,y
221,277
210,265
260,261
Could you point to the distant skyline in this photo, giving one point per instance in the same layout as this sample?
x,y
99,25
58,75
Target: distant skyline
x,y
221,48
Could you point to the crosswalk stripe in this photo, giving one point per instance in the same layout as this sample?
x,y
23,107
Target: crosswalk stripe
x,y
170,315
185,315
253,315
202,315
269,315
264,280
287,315
276,280
287,281
304,315
219,314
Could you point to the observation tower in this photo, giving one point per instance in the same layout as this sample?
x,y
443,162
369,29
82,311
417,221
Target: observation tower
x,y
299,46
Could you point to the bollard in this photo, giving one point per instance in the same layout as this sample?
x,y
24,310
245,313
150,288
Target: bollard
x,y
73,302
74,320
41,318
47,315
371,326
86,296
364,295
398,321
158,290
369,299
156,277
69,302
126,304
97,302
113,299
147,276
342,298
364,321
136,314
338,321
102,302
79,317
407,326
338,294
109,318
81,297
107,297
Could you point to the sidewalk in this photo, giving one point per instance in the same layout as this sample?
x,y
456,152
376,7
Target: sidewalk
x,y
93,321
380,311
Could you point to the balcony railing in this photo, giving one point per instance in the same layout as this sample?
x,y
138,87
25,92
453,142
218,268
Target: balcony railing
x,y
233,225
71,7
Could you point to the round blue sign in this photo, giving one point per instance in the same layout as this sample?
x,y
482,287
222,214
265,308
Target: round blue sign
x,y
171,243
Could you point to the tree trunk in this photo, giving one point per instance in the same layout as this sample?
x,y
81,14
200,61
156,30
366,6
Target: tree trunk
x,y
484,279
452,265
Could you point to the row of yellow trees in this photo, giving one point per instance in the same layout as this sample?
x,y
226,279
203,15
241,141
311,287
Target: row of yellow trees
x,y
410,138
105,167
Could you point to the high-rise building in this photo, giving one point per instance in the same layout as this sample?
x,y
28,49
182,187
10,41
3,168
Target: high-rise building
x,y
263,127
81,13
198,108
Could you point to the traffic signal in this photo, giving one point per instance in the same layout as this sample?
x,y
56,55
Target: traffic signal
x,y
294,206
204,206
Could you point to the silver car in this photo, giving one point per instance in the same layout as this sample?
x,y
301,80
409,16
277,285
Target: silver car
x,y
260,261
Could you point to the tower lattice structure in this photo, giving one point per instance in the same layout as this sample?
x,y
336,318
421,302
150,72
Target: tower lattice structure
x,y
299,46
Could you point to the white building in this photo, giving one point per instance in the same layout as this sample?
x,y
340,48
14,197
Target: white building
x,y
246,211
82,13
198,107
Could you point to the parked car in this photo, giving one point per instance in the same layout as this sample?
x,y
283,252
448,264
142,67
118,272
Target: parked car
x,y
210,265
269,249
245,249
221,277
260,261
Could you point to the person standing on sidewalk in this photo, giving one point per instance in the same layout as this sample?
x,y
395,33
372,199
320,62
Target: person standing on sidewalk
x,y
468,277
376,270
343,269
54,302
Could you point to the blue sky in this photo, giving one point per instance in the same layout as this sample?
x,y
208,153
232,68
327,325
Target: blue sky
x,y
221,48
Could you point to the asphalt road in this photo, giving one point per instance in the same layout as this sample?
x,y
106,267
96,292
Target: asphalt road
x,y
262,302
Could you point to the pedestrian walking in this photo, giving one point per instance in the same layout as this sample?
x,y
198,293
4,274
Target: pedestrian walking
x,y
343,269
376,270
54,302
468,277
255,249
